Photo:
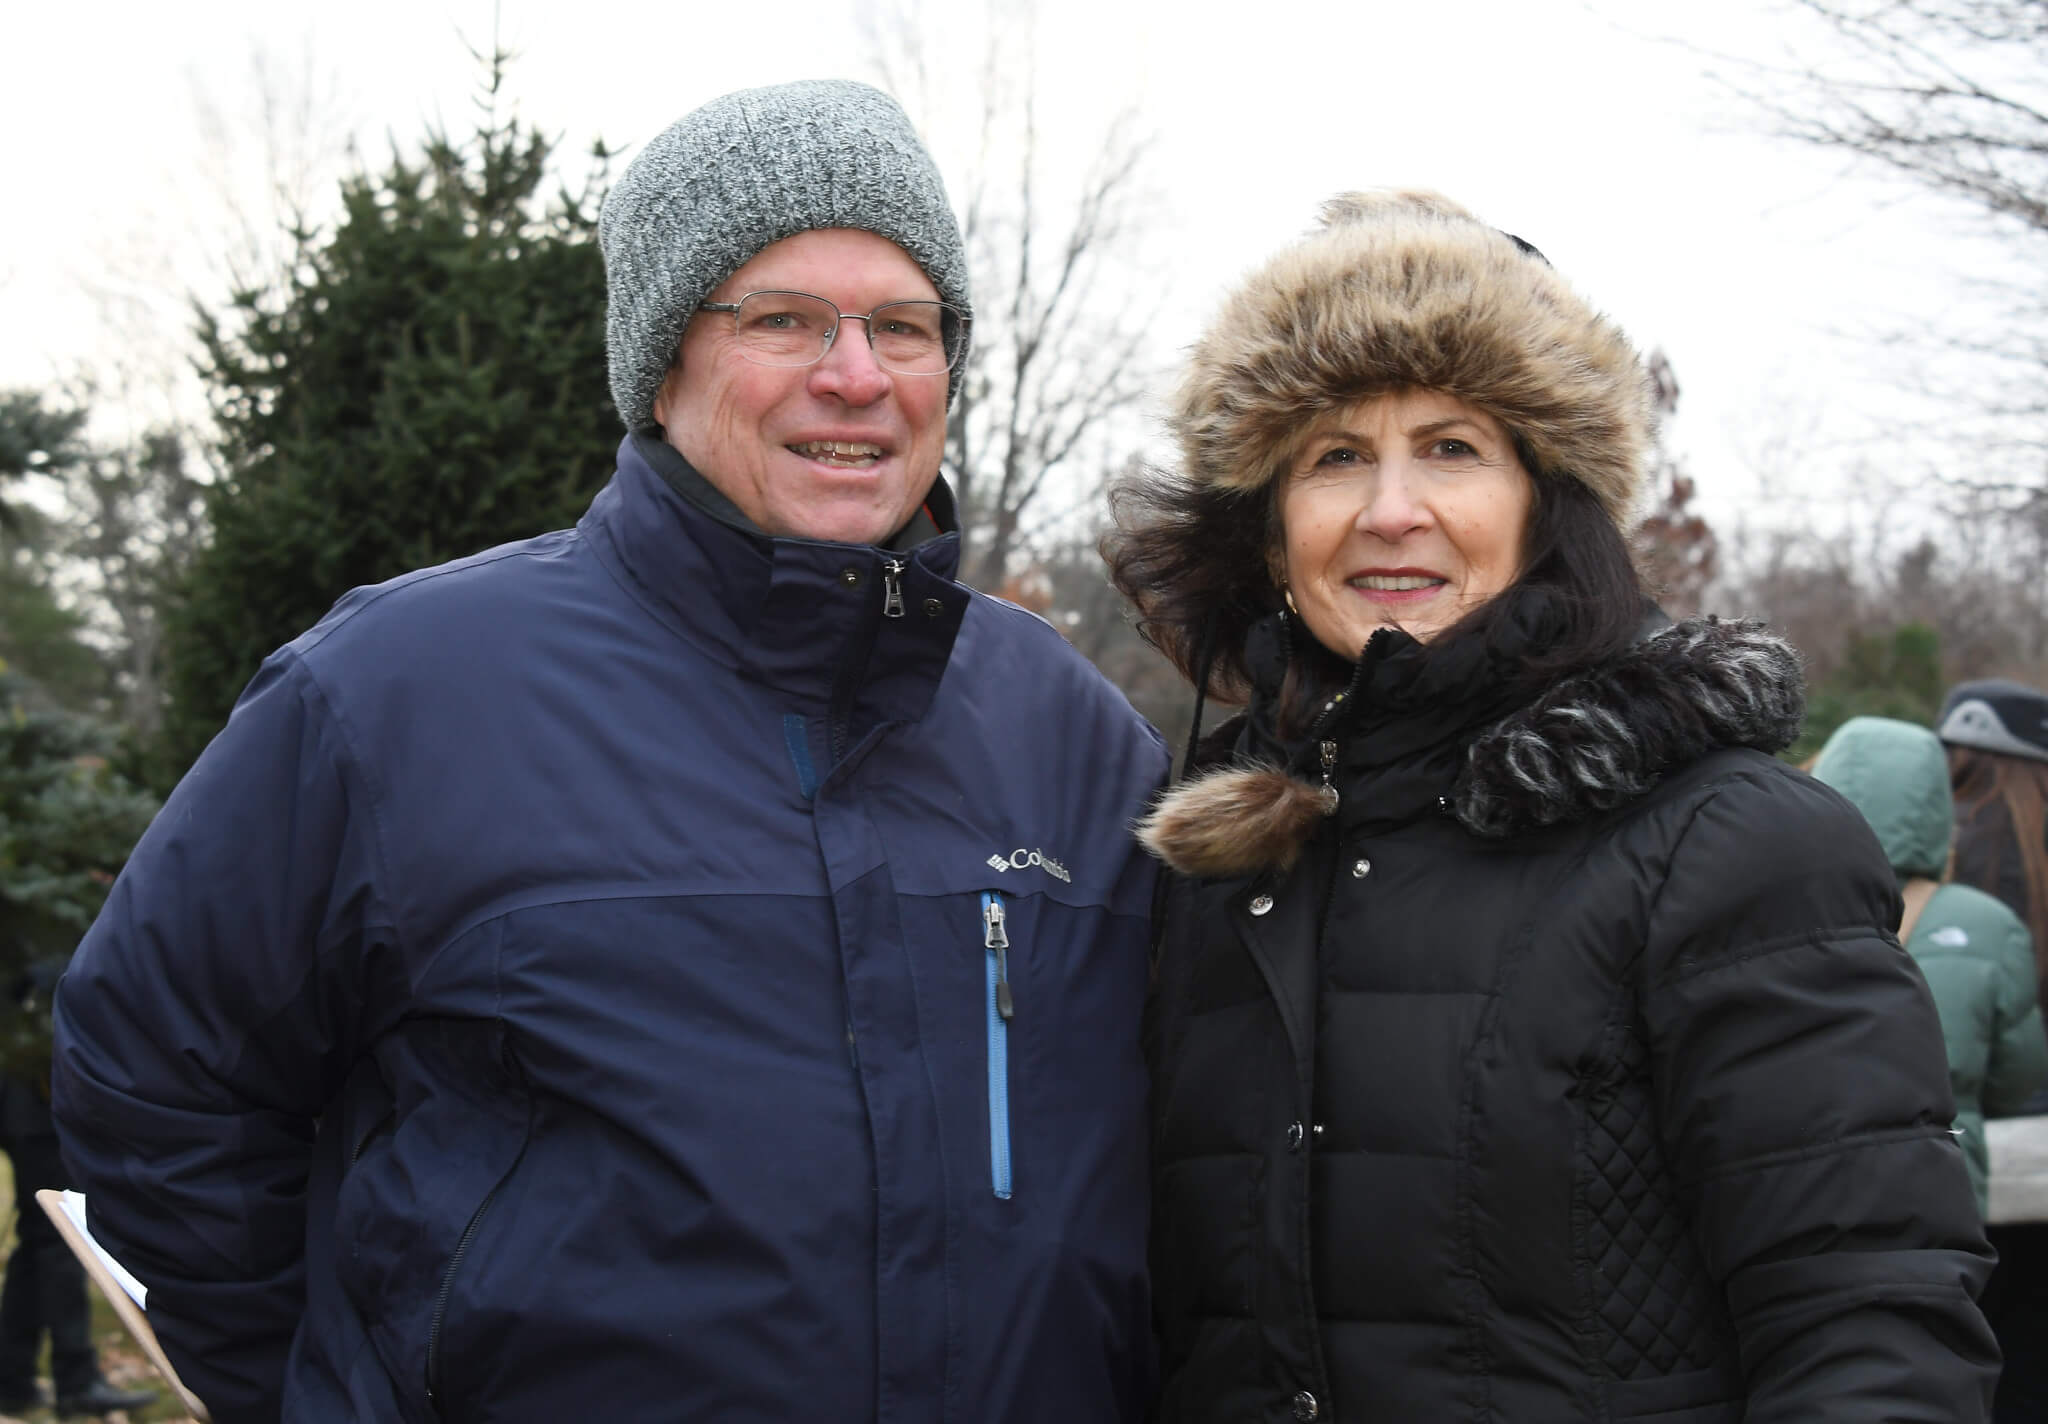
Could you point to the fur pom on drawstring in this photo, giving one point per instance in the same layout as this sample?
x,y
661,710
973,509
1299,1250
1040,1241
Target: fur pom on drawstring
x,y
1234,821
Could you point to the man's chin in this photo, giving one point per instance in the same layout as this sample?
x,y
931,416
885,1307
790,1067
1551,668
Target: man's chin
x,y
842,526
849,509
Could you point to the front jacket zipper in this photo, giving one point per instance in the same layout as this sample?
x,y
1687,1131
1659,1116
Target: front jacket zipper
x,y
846,684
892,588
1001,1007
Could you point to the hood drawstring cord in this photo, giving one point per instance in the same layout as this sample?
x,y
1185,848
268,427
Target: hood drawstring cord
x,y
1205,659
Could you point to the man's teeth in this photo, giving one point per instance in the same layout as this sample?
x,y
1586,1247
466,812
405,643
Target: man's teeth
x,y
1394,583
841,451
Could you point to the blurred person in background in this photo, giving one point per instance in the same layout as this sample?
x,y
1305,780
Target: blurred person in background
x,y
1977,957
44,1297
1528,1044
1997,737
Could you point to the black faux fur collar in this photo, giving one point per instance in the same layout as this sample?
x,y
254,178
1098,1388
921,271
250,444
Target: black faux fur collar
x,y
1604,738
1593,742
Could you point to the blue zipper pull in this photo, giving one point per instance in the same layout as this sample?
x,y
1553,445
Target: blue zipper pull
x,y
998,939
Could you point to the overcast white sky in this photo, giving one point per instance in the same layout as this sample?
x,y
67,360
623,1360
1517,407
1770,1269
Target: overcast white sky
x,y
1588,128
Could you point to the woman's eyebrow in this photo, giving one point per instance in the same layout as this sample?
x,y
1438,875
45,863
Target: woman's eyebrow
x,y
1437,427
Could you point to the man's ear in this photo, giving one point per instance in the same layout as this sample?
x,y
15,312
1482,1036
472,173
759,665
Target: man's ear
x,y
665,392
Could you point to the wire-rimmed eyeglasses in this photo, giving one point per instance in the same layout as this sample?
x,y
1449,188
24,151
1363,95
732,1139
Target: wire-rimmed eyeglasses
x,y
796,329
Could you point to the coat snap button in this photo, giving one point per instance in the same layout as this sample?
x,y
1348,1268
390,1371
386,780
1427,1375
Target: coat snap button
x,y
1261,904
850,576
1317,1129
933,608
1361,868
1305,1406
1294,1135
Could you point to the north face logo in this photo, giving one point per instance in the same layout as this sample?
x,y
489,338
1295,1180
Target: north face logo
x,y
1021,859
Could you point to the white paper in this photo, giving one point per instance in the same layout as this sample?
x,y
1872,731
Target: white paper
x,y
74,1207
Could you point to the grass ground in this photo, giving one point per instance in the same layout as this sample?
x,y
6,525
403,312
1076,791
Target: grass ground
x,y
120,1360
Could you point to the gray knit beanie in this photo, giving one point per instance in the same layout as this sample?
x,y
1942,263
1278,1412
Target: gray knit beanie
x,y
742,173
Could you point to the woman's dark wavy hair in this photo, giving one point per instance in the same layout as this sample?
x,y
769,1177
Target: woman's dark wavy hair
x,y
1196,562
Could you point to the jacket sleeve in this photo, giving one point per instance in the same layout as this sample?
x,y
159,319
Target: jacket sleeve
x,y
2018,1065
206,1021
1804,1102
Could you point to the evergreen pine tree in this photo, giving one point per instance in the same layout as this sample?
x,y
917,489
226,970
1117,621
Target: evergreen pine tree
x,y
67,822
429,383
39,635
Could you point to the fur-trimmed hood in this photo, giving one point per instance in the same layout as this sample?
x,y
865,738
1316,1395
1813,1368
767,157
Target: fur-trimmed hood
x,y
1592,743
1407,289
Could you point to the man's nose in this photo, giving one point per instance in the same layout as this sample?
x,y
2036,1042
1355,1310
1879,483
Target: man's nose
x,y
848,368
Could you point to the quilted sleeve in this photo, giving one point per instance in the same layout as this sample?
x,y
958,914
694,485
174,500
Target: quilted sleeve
x,y
1802,1093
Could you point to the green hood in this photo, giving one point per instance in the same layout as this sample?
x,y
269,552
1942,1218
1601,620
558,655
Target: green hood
x,y
1896,773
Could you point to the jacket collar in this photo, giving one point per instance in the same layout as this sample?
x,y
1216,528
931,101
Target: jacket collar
x,y
1400,727
804,616
1410,745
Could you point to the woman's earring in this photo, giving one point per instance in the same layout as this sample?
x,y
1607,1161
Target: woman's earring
x,y
1288,594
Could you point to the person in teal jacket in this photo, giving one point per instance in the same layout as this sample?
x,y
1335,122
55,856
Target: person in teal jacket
x,y
1976,955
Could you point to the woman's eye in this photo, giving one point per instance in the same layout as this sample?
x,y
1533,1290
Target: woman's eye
x,y
1342,455
1455,448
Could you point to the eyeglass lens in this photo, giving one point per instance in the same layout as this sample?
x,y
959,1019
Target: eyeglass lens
x,y
794,329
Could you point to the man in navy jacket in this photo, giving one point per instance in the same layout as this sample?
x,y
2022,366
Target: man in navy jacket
x,y
686,966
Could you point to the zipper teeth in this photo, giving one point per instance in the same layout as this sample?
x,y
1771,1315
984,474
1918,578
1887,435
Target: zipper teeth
x,y
1358,672
846,683
998,1062
447,1289
476,1220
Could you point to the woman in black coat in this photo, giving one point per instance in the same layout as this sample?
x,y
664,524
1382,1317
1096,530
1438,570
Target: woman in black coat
x,y
1528,1044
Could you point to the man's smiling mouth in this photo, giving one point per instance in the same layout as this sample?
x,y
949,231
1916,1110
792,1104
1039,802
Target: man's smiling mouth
x,y
853,454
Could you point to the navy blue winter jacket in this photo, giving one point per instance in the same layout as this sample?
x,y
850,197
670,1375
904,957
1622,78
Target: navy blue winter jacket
x,y
568,989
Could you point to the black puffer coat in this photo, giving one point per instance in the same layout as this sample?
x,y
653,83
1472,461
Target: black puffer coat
x,y
1630,1108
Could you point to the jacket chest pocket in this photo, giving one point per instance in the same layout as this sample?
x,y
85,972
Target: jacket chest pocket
x,y
1000,1006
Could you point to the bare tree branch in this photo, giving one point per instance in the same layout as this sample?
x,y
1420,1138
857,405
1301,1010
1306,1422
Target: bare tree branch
x,y
1061,355
1950,96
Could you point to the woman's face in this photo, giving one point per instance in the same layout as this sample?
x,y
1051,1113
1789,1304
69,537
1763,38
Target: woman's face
x,y
1407,510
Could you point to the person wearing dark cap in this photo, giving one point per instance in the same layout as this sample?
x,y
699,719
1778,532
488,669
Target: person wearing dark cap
x,y
1997,736
1528,1044
688,966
